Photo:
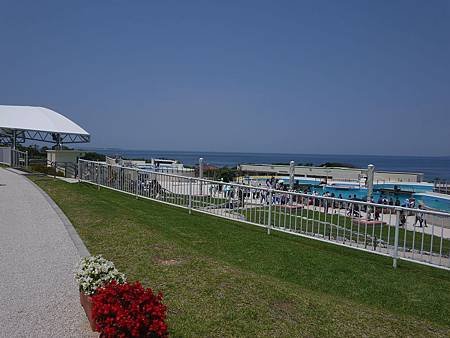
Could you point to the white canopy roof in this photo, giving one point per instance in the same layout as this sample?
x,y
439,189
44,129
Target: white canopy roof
x,y
33,122
37,118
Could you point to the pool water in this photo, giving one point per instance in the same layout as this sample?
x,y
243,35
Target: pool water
x,y
418,187
430,201
418,191
360,193
434,202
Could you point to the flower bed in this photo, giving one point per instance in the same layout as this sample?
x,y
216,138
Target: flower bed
x,y
129,310
95,271
91,273
116,308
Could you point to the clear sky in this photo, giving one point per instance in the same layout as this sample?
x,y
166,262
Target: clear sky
x,y
334,77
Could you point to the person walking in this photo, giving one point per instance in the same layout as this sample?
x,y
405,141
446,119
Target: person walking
x,y
420,217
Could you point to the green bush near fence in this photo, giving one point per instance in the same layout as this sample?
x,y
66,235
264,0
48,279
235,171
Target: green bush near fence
x,y
44,169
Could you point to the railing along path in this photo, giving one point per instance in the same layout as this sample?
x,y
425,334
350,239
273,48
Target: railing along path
x,y
417,235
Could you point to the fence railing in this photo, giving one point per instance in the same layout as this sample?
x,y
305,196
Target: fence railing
x,y
442,186
52,168
417,235
19,159
13,157
64,169
5,155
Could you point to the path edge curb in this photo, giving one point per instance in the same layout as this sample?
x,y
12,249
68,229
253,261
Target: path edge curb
x,y
73,234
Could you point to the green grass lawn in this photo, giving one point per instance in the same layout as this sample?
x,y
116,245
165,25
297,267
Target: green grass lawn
x,y
224,278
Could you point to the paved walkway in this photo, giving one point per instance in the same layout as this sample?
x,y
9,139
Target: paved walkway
x,y
38,295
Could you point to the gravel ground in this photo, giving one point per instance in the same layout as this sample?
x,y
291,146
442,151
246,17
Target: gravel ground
x,y
38,295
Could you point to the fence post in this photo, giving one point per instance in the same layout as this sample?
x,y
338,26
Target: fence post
x,y
369,183
269,223
137,184
96,171
395,253
190,195
200,173
78,174
291,179
26,159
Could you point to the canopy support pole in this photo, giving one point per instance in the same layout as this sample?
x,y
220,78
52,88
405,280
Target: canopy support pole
x,y
14,139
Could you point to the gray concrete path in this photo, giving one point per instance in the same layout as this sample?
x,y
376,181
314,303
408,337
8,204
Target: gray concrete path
x,y
38,295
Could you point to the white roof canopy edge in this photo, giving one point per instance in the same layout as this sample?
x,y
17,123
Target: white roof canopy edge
x,y
39,123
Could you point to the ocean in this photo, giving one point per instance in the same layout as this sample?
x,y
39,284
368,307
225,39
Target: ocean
x,y
431,167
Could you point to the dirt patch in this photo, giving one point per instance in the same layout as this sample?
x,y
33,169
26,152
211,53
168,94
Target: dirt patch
x,y
285,306
167,262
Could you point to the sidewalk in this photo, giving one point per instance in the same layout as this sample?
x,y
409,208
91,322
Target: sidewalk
x,y
38,295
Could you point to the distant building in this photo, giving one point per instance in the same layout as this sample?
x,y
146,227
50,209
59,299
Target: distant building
x,y
333,173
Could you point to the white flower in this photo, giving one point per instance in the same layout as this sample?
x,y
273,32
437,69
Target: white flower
x,y
94,271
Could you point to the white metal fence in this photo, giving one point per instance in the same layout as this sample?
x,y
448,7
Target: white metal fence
x,y
13,157
442,186
5,155
417,235
63,169
19,159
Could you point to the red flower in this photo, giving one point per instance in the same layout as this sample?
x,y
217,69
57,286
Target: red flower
x,y
129,310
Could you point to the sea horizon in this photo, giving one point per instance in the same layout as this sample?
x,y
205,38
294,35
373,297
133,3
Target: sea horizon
x,y
253,152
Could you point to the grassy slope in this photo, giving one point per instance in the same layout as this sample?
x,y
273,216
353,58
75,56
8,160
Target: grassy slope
x,y
222,278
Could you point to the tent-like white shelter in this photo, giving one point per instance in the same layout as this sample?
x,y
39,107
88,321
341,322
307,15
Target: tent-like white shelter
x,y
20,123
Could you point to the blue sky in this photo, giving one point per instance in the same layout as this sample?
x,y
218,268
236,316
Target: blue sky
x,y
333,77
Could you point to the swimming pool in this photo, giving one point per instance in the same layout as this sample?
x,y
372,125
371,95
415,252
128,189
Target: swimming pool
x,y
410,187
430,200
436,202
361,193
422,192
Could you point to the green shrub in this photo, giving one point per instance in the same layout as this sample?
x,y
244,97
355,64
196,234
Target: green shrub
x,y
42,168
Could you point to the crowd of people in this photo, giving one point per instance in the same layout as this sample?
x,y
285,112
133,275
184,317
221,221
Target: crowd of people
x,y
281,196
